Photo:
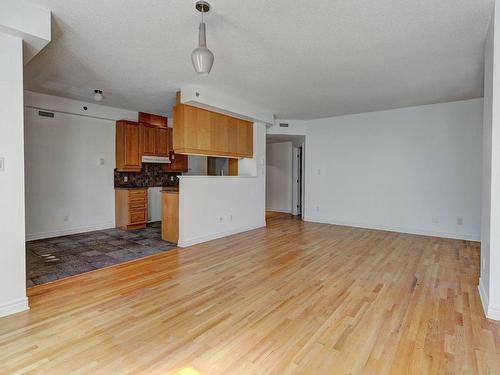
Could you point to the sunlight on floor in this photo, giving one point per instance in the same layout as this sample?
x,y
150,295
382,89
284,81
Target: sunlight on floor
x,y
188,371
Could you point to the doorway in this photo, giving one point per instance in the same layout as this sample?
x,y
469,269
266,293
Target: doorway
x,y
285,174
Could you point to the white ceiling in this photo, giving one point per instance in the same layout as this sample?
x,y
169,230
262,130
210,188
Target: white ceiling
x,y
299,59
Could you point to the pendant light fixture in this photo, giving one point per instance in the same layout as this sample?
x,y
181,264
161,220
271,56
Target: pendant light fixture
x,y
202,57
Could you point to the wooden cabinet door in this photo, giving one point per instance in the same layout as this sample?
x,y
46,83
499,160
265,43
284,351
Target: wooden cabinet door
x,y
244,138
170,140
149,140
162,142
233,126
132,146
219,137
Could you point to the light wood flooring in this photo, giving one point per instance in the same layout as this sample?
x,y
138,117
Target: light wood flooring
x,y
292,298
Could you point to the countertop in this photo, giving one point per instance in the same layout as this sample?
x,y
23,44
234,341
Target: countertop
x,y
170,190
130,188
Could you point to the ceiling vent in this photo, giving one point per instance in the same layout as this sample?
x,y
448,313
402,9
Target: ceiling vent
x,y
46,114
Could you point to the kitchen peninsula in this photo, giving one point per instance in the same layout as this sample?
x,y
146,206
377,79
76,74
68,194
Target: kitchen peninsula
x,y
149,155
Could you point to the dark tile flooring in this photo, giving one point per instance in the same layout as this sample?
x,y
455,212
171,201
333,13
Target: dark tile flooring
x,y
55,258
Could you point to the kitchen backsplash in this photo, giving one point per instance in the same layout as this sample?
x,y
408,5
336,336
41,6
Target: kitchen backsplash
x,y
151,175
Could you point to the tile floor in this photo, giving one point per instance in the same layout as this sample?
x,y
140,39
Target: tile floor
x,y
55,258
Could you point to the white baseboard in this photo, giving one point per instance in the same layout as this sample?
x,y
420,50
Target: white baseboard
x,y
421,232
284,210
214,236
14,307
489,311
493,313
68,231
483,296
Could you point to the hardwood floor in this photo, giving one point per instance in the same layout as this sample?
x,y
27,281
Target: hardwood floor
x,y
292,298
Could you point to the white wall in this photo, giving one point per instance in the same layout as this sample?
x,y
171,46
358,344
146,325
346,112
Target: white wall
x,y
489,283
213,207
12,249
76,107
21,23
279,176
415,170
197,165
67,188
27,21
295,127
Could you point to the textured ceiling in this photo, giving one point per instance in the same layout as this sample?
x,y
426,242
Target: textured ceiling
x,y
299,59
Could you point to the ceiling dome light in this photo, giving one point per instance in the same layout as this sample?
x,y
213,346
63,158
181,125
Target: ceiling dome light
x,y
202,57
98,95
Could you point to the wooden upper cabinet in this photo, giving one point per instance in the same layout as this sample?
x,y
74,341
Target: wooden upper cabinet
x,y
128,146
155,138
162,142
201,132
149,142
178,162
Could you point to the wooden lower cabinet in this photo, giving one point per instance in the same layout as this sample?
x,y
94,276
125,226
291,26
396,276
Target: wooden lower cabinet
x,y
170,216
131,208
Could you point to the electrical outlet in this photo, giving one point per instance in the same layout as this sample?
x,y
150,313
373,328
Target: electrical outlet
x,y
125,178
102,161
318,171
460,221
2,164
66,218
221,219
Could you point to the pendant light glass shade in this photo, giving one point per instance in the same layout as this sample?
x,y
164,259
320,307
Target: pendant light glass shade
x,y
202,57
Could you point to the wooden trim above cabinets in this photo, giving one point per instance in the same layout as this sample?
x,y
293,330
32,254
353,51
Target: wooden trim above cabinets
x,y
201,132
154,120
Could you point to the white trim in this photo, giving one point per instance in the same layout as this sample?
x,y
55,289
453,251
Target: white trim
x,y
65,232
14,307
219,101
490,312
421,232
214,236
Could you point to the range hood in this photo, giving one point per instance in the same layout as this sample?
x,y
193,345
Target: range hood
x,y
156,159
